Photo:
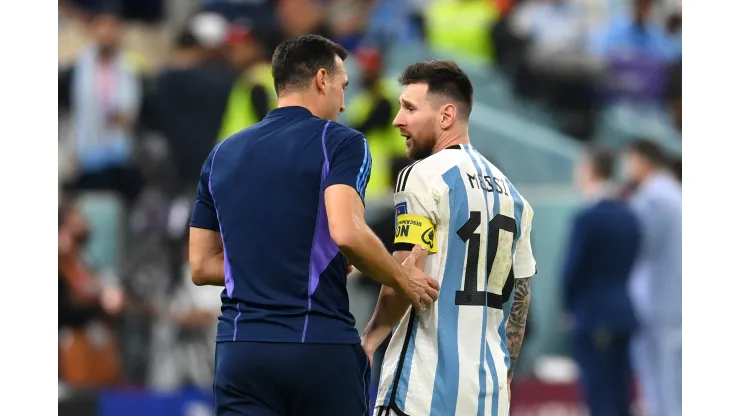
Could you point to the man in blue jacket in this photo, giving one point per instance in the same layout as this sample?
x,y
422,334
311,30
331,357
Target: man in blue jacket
x,y
603,248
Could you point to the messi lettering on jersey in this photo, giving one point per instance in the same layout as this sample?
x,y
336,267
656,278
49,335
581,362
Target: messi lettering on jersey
x,y
487,183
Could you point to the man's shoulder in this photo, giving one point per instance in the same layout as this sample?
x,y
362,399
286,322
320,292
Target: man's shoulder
x,y
335,136
417,175
340,131
432,167
606,207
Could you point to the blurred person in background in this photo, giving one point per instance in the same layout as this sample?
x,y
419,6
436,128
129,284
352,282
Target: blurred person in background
x,y
211,30
300,17
183,348
635,52
634,35
394,23
150,11
253,93
461,27
604,243
371,112
88,355
141,28
347,20
655,282
104,94
554,64
187,104
260,15
508,44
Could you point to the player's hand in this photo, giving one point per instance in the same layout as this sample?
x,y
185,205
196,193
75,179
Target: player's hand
x,y
421,290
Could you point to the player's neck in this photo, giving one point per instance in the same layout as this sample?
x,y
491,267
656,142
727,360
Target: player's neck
x,y
298,99
451,138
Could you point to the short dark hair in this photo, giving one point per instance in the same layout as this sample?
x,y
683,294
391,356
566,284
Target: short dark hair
x,y
295,61
443,78
602,161
648,150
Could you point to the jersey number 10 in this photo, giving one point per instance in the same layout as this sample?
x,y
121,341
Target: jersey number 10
x,y
470,295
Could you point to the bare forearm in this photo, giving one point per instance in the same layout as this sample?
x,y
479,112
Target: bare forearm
x,y
206,255
209,272
517,322
388,312
365,251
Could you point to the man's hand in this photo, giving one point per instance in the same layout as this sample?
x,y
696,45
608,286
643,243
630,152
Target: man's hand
x,y
421,290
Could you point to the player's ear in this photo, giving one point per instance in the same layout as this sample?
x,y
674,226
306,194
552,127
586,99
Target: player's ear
x,y
448,114
322,80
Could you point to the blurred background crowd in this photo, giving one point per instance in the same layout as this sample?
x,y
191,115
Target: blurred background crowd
x,y
577,101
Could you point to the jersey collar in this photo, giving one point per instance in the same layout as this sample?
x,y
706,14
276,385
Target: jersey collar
x,y
289,111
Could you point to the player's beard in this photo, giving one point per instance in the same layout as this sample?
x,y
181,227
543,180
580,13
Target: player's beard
x,y
421,145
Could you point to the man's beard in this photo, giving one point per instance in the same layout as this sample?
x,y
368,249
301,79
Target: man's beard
x,y
421,147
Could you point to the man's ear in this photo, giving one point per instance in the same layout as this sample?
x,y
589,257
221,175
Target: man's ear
x,y
321,80
448,115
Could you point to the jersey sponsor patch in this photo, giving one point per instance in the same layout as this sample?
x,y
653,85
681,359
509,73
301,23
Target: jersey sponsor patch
x,y
415,229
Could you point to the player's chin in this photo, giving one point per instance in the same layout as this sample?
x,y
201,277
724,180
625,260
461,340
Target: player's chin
x,y
409,152
409,146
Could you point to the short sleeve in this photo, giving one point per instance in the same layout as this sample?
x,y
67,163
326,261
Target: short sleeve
x,y
204,210
524,263
350,164
416,211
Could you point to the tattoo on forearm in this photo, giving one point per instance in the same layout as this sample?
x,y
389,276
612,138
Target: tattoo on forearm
x,y
517,321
